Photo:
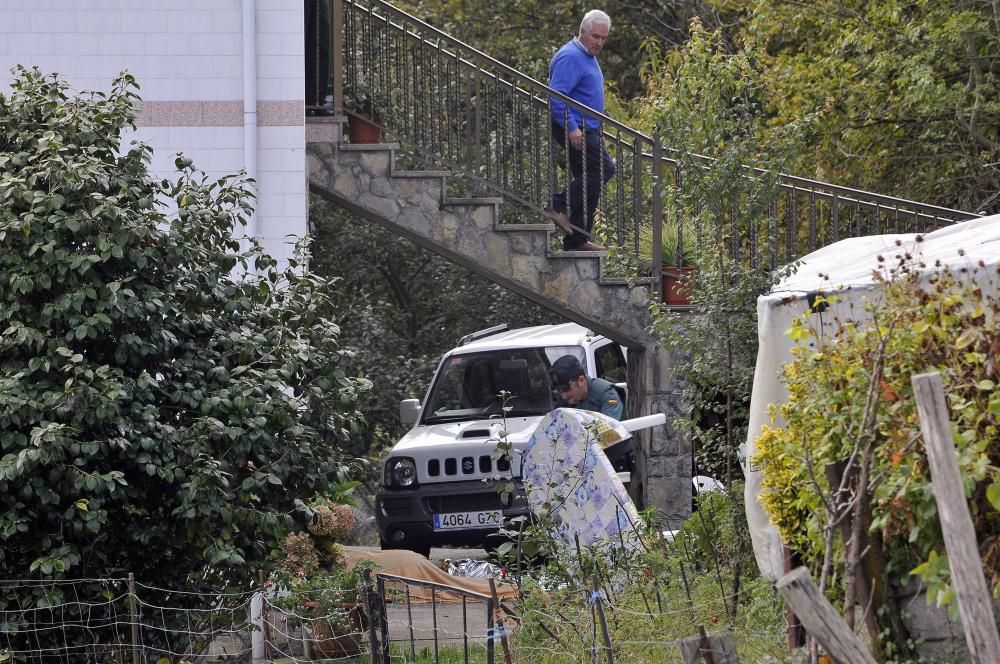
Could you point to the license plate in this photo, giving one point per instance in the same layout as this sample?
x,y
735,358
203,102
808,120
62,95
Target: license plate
x,y
468,520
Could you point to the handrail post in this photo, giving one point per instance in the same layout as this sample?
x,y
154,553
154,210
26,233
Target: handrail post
x,y
337,54
657,212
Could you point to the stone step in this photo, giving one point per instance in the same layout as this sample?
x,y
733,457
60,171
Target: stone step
x,y
577,254
473,200
504,228
326,119
367,147
420,174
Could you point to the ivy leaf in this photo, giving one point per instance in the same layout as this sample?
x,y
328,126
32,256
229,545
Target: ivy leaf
x,y
993,495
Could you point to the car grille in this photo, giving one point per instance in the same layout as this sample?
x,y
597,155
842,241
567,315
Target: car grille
x,y
466,466
470,502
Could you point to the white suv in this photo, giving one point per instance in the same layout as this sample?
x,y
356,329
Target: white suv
x,y
435,481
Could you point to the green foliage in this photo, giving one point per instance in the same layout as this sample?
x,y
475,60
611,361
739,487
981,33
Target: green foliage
x,y
665,593
324,593
675,247
841,370
163,410
718,531
708,102
709,105
500,30
908,93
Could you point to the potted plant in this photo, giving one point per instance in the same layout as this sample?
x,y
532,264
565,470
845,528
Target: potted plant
x,y
329,603
316,585
365,98
364,123
679,260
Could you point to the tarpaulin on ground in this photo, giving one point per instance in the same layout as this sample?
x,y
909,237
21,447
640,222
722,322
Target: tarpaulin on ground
x,y
414,566
846,269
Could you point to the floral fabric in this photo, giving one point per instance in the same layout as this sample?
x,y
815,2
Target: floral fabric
x,y
567,476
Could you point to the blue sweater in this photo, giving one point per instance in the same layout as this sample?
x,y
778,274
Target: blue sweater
x,y
577,74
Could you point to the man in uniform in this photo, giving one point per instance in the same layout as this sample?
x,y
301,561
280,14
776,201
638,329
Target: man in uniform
x,y
578,391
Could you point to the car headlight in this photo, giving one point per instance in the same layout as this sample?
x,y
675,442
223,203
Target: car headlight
x,y
400,472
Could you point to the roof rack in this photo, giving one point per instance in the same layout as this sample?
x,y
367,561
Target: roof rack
x,y
502,327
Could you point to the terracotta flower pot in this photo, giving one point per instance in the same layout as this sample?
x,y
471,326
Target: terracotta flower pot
x,y
364,128
676,284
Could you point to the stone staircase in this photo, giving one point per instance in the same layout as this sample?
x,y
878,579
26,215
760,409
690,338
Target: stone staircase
x,y
522,257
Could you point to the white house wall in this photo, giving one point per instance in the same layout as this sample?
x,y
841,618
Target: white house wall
x,y
187,56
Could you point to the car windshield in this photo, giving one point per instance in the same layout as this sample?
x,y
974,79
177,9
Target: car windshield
x,y
469,385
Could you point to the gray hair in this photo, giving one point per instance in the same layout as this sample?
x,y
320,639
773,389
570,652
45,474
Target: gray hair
x,y
592,17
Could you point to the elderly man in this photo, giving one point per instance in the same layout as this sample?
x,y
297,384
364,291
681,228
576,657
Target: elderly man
x,y
578,391
575,72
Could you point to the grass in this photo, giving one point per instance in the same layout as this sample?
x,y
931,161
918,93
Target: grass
x,y
559,627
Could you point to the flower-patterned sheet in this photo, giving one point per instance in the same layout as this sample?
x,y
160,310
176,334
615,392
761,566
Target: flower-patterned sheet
x,y
567,476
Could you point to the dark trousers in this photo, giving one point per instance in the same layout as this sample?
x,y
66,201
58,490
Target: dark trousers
x,y
592,165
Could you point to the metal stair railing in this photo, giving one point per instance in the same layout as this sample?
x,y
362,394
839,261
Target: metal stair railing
x,y
456,107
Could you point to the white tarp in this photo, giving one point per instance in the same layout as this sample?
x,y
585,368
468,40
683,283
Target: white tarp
x,y
848,268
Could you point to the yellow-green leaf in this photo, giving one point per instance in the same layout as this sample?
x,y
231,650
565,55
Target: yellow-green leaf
x,y
966,338
993,495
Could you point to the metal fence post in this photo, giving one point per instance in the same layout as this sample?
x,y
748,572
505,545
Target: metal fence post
x,y
658,215
337,54
490,632
133,618
384,618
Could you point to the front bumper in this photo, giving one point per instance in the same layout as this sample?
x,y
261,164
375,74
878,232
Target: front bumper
x,y
405,516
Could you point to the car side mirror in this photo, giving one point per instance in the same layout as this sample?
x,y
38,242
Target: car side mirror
x,y
409,411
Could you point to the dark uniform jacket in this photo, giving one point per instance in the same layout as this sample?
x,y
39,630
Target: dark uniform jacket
x,y
602,397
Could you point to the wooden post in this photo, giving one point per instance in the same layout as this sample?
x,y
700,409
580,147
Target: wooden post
x,y
369,593
499,624
265,620
971,592
793,631
721,648
820,619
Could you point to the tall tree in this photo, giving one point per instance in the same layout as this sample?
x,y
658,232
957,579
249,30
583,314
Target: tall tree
x,y
908,93
500,30
158,414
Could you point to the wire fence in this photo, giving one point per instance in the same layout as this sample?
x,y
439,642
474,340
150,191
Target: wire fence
x,y
388,619
119,620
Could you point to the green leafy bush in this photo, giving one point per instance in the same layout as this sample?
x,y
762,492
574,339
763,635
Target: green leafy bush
x,y
850,394
168,396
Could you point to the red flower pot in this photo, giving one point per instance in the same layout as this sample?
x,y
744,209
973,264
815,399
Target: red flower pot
x,y
676,284
363,128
